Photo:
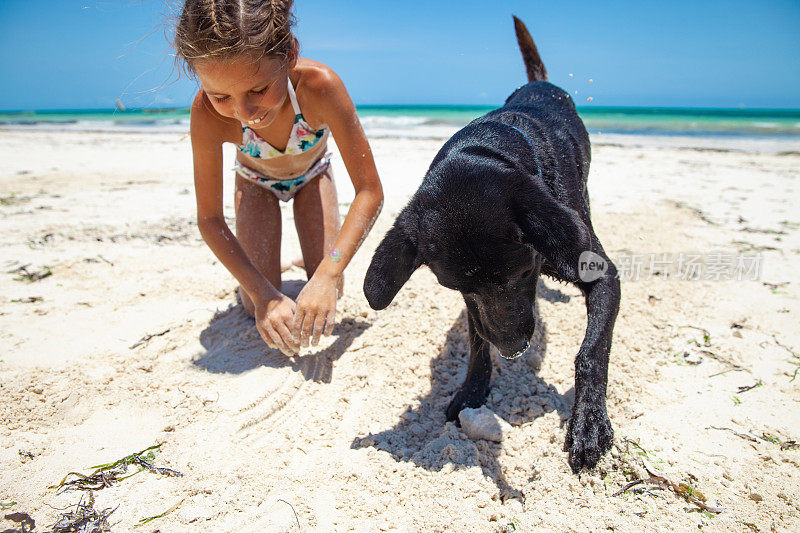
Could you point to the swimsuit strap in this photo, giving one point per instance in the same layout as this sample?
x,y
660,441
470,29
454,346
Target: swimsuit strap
x,y
293,98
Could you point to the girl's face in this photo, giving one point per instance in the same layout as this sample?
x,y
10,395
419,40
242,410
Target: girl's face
x,y
249,91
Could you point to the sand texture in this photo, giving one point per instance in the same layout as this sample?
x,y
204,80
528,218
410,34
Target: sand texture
x,y
132,336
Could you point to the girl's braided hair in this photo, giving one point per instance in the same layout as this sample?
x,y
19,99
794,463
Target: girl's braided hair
x,y
221,29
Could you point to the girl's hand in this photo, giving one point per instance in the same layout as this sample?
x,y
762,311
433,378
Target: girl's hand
x,y
274,319
316,309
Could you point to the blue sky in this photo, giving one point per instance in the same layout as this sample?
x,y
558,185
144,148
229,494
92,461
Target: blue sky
x,y
57,54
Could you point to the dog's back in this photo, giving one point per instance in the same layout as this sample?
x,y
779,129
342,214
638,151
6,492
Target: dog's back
x,y
558,141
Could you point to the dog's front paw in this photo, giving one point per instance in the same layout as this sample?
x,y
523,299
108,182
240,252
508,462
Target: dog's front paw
x,y
463,399
589,436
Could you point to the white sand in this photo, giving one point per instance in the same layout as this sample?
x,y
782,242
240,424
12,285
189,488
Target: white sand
x,y
352,436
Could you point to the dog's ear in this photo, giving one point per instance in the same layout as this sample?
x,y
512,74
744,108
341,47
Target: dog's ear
x,y
395,259
554,230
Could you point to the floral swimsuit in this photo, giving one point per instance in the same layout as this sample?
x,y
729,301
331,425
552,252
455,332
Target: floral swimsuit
x,y
301,139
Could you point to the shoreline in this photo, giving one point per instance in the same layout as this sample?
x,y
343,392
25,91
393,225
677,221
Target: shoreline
x,y
765,144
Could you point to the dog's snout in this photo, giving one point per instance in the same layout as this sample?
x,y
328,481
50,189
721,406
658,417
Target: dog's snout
x,y
508,325
516,354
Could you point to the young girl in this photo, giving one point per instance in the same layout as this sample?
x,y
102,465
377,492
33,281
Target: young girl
x,y
279,110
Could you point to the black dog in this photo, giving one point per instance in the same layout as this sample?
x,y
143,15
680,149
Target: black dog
x,y
504,200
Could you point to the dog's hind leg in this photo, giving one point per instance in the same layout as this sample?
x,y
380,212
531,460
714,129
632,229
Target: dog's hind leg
x,y
479,372
589,433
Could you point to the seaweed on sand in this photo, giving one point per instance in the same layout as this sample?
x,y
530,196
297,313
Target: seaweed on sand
x,y
30,276
144,521
107,474
84,518
794,357
684,489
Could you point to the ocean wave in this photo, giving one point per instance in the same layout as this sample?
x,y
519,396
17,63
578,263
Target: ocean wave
x,y
378,121
420,122
691,127
121,126
137,122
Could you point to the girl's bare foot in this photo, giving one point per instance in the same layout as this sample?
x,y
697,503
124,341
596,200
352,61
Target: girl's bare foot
x,y
297,261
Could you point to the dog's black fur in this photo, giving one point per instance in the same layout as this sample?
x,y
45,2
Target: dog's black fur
x,y
504,201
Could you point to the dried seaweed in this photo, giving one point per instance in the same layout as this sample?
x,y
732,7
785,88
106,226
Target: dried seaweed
x,y
744,436
144,521
27,300
13,199
794,357
706,343
84,518
745,388
147,337
774,287
684,489
30,276
147,465
704,331
785,445
107,474
25,455
768,437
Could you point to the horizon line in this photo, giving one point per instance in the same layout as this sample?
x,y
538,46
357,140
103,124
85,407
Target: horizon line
x,y
491,106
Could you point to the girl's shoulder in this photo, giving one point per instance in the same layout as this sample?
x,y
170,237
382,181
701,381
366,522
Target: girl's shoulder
x,y
206,123
318,89
313,75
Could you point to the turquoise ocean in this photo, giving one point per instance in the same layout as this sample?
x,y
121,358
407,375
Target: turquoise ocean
x,y
442,121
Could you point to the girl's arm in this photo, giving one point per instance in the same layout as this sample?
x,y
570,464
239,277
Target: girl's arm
x,y
316,305
274,315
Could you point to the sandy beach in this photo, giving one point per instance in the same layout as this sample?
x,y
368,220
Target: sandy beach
x,y
119,330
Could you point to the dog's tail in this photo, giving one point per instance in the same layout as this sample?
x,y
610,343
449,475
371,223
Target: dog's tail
x,y
530,55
